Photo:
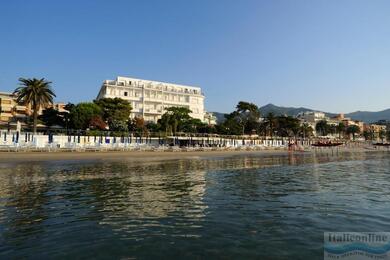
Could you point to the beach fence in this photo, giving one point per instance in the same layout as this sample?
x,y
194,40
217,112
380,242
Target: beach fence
x,y
26,140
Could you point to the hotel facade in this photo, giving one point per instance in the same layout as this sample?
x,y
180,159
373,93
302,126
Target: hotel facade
x,y
149,99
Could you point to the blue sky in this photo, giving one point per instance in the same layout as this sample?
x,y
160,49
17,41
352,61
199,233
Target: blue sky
x,y
331,55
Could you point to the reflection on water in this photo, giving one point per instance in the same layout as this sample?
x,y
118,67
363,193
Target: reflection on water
x,y
239,206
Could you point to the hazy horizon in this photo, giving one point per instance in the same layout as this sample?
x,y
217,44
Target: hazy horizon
x,y
330,56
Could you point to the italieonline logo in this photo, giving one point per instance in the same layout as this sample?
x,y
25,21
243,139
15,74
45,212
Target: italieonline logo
x,y
354,245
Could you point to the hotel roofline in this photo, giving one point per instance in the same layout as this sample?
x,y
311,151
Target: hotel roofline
x,y
153,82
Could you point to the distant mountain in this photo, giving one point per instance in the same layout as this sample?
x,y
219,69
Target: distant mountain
x,y
368,117
220,116
288,111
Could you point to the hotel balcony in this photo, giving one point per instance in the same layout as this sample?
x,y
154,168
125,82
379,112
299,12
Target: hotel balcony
x,y
153,111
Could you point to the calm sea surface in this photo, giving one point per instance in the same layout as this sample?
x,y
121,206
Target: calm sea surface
x,y
270,206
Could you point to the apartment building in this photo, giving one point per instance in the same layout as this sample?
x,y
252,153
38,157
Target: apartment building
x,y
10,109
312,118
150,98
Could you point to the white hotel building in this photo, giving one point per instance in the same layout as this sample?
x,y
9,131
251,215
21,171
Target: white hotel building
x,y
148,98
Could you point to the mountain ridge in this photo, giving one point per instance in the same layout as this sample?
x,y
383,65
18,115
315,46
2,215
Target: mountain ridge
x,y
365,116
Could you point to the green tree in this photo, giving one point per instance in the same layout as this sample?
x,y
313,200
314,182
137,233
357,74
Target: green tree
x,y
51,116
153,127
248,115
193,125
175,118
382,135
287,126
367,135
244,120
36,93
229,126
82,114
323,127
270,123
305,130
115,112
353,130
340,128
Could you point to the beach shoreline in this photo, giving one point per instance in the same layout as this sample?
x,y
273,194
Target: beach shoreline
x,y
28,156
127,155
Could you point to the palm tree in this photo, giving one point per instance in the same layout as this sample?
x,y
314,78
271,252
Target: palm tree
x,y
34,92
353,129
322,127
270,121
340,129
306,130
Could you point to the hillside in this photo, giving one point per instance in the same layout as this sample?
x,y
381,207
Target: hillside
x,y
370,117
366,116
289,111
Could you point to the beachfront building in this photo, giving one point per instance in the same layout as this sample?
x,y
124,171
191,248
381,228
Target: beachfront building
x,y
377,132
311,118
10,109
149,98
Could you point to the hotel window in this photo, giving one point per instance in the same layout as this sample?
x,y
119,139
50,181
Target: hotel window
x,y
125,93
